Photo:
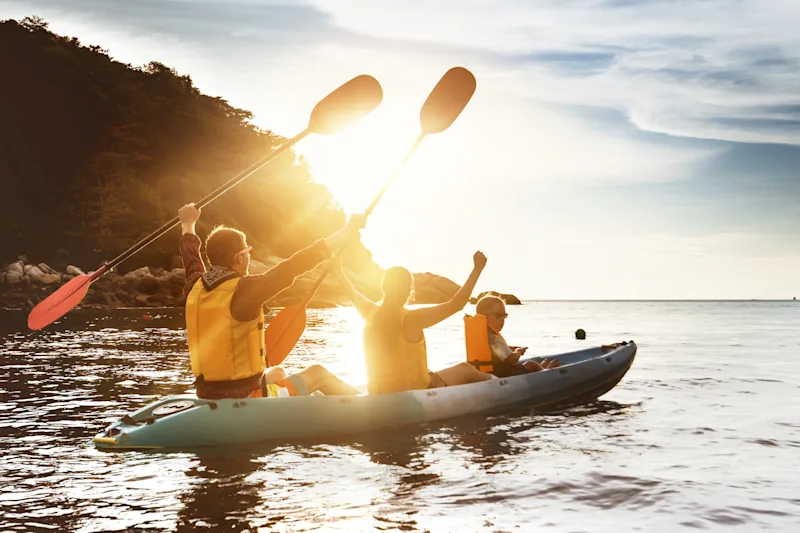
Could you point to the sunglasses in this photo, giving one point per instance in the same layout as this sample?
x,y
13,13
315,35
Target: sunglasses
x,y
245,251
500,315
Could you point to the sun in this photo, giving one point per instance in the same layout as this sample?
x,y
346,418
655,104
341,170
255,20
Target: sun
x,y
355,164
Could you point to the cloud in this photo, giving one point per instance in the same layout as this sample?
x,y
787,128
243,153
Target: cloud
x,y
697,69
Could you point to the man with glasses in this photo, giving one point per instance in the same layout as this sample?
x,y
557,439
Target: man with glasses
x,y
224,313
505,358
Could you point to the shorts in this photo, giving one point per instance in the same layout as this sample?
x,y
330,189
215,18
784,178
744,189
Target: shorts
x,y
293,385
435,380
506,371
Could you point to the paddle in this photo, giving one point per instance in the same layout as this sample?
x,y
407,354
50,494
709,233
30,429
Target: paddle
x,y
440,110
347,104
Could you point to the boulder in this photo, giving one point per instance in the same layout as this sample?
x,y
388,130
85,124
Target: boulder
x,y
177,276
13,277
148,285
142,299
157,299
509,299
75,271
33,272
50,279
135,275
46,269
95,296
433,289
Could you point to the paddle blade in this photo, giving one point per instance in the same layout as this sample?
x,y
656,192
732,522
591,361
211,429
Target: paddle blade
x,y
346,105
447,100
60,302
283,332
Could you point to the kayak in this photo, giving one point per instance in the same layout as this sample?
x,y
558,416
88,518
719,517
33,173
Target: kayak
x,y
185,421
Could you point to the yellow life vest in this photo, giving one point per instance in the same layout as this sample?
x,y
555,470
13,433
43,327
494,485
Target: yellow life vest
x,y
476,334
393,363
222,348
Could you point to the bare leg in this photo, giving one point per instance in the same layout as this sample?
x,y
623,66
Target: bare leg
x,y
463,373
274,373
318,378
533,366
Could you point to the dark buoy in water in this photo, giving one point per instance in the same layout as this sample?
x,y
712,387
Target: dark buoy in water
x,y
580,334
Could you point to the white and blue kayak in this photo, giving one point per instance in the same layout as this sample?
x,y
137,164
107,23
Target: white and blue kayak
x,y
184,421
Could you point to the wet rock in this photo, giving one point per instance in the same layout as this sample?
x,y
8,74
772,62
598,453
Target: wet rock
x,y
75,271
33,272
46,269
177,276
148,285
13,277
50,279
135,275
155,286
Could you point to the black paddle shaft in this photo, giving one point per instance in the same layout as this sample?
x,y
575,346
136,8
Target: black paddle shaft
x,y
219,191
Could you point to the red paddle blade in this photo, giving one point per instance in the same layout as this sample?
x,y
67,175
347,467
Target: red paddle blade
x,y
283,332
60,302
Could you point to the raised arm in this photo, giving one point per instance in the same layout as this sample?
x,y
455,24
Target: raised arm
x,y
254,290
419,319
190,246
363,305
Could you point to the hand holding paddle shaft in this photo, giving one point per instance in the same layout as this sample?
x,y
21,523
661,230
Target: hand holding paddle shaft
x,y
350,102
440,110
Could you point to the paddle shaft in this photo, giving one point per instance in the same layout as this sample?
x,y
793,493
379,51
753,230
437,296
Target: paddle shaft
x,y
368,212
219,191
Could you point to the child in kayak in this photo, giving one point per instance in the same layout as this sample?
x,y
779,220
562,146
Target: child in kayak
x,y
394,339
224,313
505,358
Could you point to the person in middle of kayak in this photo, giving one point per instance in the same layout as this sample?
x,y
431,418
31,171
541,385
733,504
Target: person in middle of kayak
x,y
488,350
394,338
225,319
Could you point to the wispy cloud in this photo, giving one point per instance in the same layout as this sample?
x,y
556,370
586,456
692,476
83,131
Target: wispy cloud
x,y
717,69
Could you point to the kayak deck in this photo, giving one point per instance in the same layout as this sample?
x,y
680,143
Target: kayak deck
x,y
184,421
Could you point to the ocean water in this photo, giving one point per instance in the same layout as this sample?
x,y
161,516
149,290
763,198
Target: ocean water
x,y
702,433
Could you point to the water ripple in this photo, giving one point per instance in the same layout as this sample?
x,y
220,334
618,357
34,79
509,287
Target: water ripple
x,y
696,436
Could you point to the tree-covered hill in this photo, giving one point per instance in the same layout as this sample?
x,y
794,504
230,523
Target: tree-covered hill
x,y
95,154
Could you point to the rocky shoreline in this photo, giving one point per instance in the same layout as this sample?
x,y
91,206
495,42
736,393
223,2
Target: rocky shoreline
x,y
24,284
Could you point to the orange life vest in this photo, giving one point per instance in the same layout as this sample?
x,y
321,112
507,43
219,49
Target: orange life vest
x,y
476,334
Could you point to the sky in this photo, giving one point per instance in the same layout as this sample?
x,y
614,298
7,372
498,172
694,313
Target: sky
x,y
614,149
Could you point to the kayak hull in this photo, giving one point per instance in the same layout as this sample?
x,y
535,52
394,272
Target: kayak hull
x,y
581,377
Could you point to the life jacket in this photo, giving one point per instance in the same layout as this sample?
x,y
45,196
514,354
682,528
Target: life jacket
x,y
393,363
222,348
476,334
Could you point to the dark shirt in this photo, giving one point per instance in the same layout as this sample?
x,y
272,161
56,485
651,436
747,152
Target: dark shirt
x,y
500,351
